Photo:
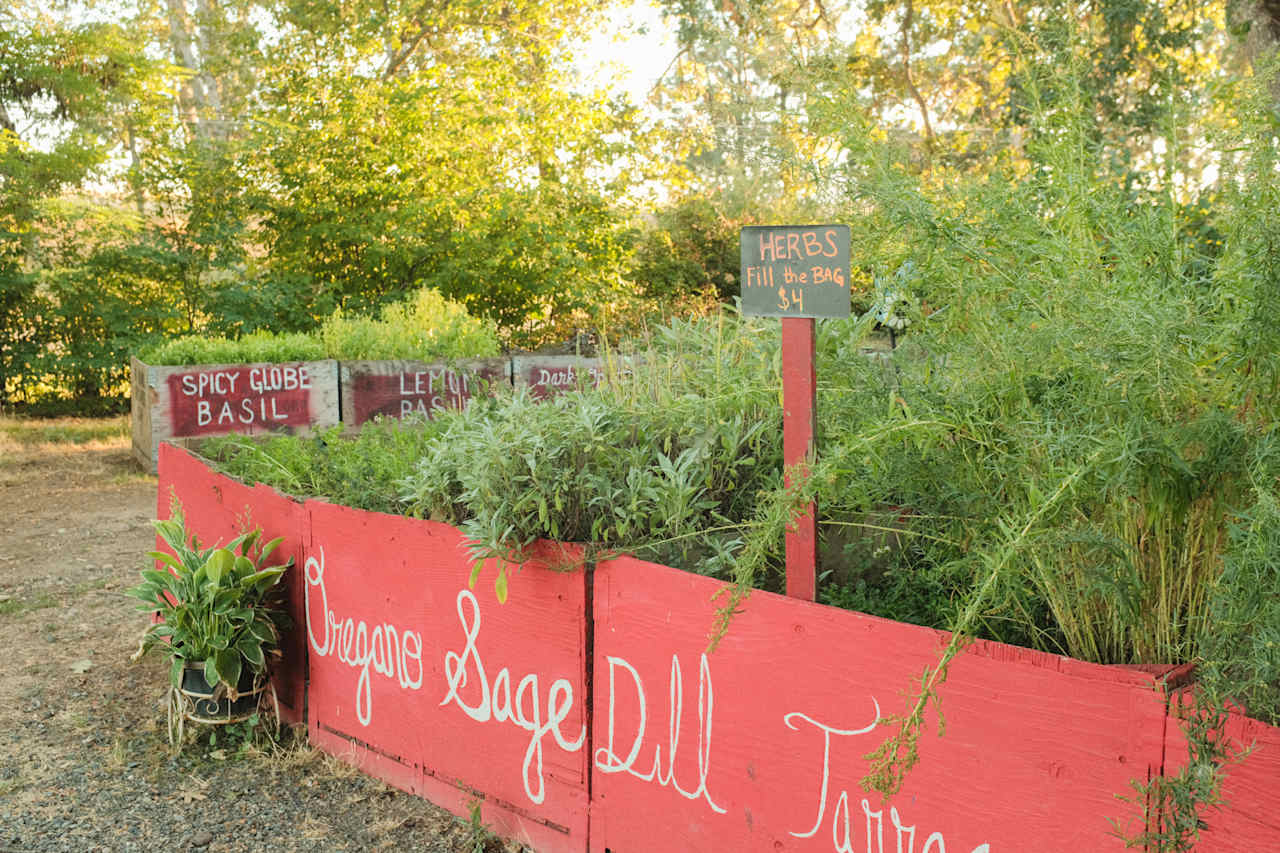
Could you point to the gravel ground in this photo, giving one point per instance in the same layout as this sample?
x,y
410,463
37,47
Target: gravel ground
x,y
84,759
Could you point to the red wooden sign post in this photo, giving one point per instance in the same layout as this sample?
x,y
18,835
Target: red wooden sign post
x,y
799,416
797,273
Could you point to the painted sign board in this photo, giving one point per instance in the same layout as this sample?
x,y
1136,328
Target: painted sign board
x,y
439,688
398,389
548,375
760,744
201,400
795,270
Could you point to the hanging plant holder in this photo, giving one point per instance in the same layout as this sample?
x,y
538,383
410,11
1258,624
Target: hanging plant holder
x,y
197,702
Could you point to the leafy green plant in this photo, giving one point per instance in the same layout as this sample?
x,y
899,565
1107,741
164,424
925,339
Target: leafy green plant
x,y
215,605
425,326
664,461
360,470
260,346
479,838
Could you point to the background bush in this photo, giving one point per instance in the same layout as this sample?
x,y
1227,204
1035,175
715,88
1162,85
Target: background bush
x,y
425,326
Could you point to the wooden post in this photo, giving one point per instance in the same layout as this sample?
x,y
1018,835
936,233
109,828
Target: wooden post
x,y
799,405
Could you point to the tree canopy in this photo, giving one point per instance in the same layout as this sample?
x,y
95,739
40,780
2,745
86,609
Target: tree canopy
x,y
233,165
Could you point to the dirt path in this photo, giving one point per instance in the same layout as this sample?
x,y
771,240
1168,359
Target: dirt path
x,y
84,763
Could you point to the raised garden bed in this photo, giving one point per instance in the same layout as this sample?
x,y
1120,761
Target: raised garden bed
x,y
196,401
586,714
397,389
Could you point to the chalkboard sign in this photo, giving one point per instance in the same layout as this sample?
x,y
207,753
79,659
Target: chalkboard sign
x,y
795,270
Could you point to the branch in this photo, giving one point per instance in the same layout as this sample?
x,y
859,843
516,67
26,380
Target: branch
x,y
906,72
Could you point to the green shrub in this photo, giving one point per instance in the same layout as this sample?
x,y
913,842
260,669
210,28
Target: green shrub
x,y
1242,652
252,348
360,471
665,460
425,327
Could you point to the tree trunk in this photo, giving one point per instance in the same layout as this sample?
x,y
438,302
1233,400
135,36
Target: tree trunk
x,y
191,95
204,21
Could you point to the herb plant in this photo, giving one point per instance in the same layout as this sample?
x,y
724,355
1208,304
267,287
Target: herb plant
x,y
216,605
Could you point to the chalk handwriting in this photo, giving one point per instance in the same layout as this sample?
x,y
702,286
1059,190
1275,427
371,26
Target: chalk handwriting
x,y
607,759
496,703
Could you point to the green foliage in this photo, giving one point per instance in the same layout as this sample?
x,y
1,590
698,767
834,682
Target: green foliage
x,y
216,604
252,348
25,431
1241,656
691,248
426,326
479,838
665,461
359,471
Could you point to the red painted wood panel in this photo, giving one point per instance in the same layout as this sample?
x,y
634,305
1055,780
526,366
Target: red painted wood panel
x,y
760,745
799,420
217,509
440,689
396,389
1249,817
549,375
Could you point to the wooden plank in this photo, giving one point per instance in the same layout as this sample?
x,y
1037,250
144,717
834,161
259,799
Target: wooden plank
x,y
799,423
204,400
1249,817
140,406
396,389
441,689
217,509
760,745
548,375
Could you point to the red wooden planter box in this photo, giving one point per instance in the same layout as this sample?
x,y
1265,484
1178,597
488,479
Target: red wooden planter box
x,y
215,399
414,677
217,509
397,389
587,715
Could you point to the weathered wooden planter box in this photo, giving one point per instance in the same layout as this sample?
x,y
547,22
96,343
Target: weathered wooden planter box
x,y
587,715
196,401
548,375
396,389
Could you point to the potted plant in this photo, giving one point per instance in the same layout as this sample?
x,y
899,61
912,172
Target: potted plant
x,y
214,615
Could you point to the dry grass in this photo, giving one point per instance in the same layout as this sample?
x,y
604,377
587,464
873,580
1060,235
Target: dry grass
x,y
75,451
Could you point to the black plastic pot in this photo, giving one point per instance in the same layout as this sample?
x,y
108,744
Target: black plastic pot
x,y
209,705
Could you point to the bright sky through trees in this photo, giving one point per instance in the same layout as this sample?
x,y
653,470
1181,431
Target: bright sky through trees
x,y
632,52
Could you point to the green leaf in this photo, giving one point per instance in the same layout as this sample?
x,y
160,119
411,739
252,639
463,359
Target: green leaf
x,y
228,666
219,565
175,671
251,651
167,559
268,548
500,585
263,630
243,567
211,671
